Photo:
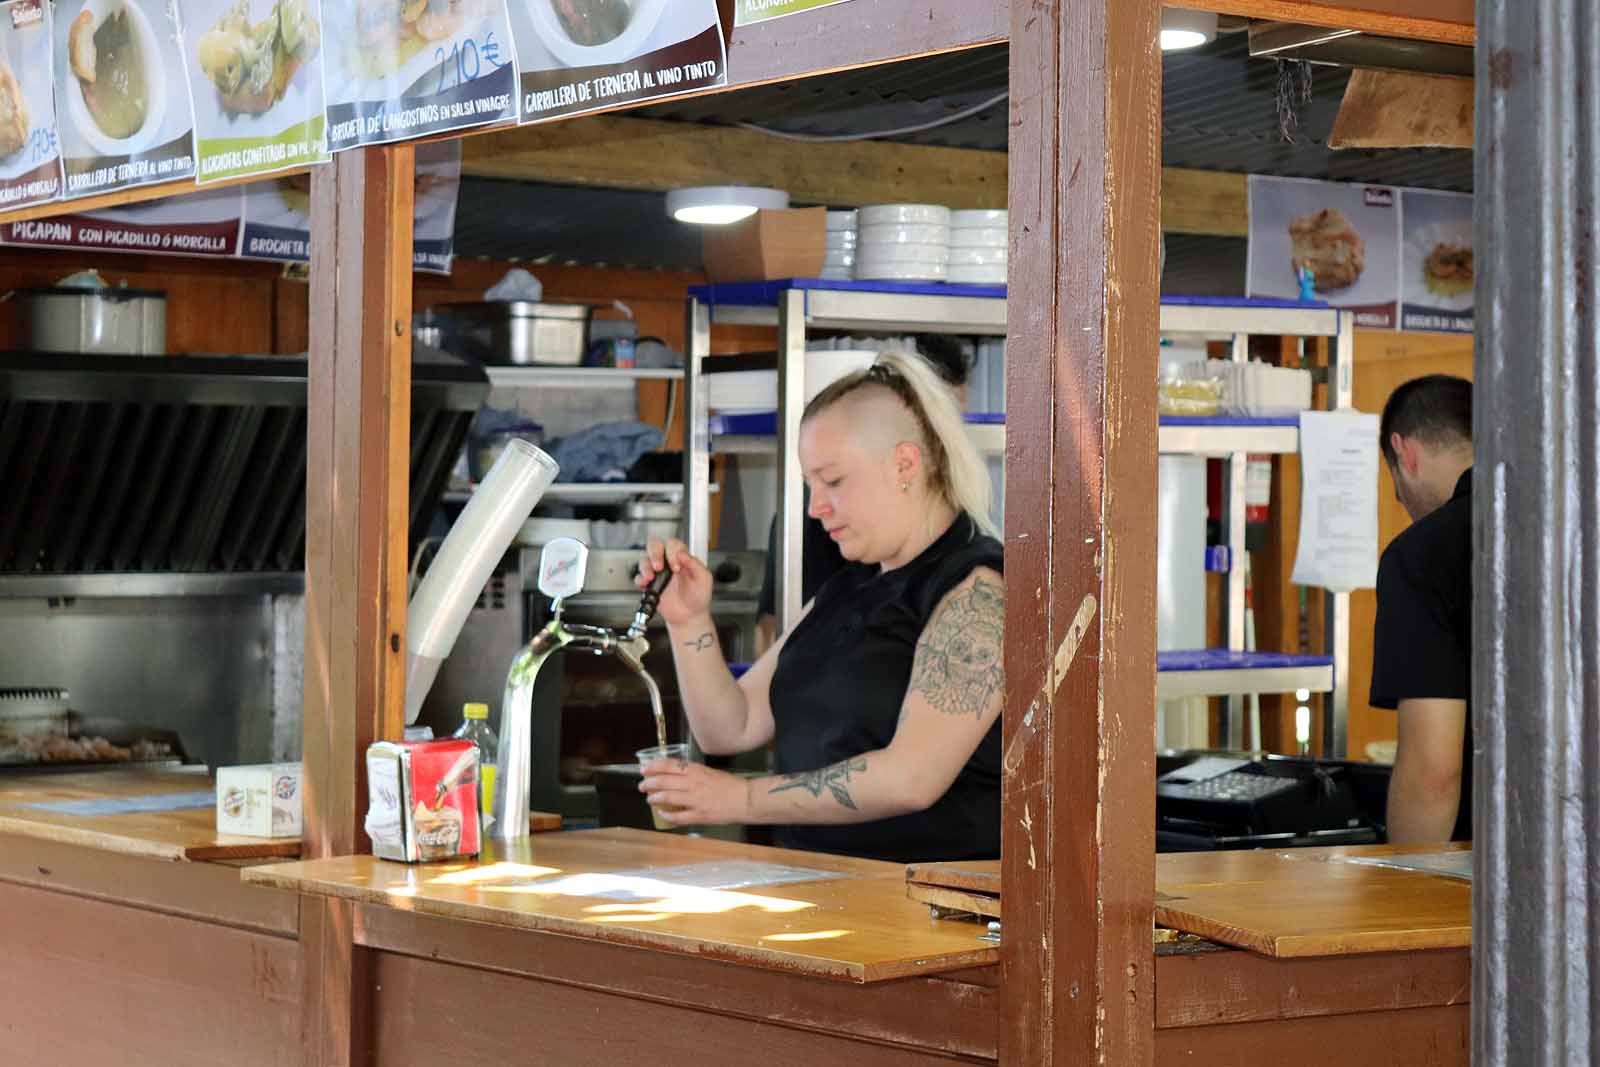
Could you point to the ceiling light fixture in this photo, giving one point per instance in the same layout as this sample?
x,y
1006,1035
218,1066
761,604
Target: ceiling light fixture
x,y
1182,29
718,205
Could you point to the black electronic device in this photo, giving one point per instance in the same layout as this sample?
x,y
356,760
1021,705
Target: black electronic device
x,y
1213,802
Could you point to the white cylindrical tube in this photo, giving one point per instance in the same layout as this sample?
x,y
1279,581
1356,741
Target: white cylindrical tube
x,y
467,558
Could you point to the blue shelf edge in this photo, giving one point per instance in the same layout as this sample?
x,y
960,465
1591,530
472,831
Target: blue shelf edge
x,y
1221,659
765,294
765,423
1232,421
1245,302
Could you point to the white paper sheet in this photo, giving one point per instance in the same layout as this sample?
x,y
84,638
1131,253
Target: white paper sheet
x,y
1457,864
1338,501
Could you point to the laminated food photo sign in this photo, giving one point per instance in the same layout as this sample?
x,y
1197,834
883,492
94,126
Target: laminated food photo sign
x,y
1436,275
277,212
396,72
584,55
30,146
750,12
255,82
1347,237
122,95
203,223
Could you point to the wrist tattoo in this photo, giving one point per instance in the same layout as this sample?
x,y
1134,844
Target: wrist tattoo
x,y
835,779
701,643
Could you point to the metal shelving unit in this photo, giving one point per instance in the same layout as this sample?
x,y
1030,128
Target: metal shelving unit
x,y
553,377
590,492
798,305
509,377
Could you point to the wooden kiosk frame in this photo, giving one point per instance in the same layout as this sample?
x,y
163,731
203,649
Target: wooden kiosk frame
x,y
1079,981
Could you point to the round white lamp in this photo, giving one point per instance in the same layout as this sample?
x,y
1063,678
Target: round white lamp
x,y
1182,29
718,205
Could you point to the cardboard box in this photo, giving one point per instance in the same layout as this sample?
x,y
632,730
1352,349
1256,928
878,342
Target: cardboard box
x,y
261,800
791,243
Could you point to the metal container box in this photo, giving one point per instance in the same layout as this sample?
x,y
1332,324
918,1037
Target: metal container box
x,y
515,331
129,322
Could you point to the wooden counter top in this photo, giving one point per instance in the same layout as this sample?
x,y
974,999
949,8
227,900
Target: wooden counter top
x,y
851,920
167,835
1285,902
1313,901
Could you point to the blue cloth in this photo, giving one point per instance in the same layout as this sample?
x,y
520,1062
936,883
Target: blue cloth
x,y
604,453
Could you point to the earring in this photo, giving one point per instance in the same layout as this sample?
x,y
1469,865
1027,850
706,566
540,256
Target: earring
x,y
905,487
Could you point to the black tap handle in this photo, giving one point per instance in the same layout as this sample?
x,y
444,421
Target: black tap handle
x,y
652,597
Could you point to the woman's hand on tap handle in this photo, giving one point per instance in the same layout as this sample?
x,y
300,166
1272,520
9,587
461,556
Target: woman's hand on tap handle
x,y
688,595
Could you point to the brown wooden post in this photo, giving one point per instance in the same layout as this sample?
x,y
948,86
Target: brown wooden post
x,y
358,448
1079,819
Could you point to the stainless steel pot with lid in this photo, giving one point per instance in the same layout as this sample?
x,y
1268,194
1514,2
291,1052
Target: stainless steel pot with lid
x,y
111,321
515,331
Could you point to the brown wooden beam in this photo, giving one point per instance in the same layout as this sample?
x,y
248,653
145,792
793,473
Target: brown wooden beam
x,y
618,152
1443,21
1078,849
859,35
652,155
358,445
1390,109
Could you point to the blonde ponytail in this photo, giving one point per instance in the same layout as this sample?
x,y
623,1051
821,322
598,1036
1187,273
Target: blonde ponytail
x,y
955,469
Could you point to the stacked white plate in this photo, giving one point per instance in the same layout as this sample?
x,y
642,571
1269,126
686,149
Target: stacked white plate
x,y
840,261
978,247
903,242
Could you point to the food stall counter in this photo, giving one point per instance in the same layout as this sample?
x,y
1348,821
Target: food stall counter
x,y
166,814
118,896
1330,955
803,913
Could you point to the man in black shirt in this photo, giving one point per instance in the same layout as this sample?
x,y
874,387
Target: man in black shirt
x,y
1422,643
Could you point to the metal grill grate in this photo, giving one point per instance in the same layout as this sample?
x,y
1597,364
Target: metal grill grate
x,y
182,465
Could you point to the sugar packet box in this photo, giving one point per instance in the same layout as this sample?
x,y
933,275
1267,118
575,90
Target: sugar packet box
x,y
259,800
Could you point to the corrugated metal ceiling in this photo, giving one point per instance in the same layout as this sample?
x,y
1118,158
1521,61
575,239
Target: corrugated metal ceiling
x,y
1219,113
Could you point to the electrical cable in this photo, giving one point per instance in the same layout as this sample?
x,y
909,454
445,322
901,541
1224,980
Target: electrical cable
x,y
821,138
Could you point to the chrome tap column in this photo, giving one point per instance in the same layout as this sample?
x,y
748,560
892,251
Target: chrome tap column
x,y
562,567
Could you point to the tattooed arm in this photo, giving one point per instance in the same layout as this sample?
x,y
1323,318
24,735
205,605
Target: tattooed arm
x,y
727,717
953,698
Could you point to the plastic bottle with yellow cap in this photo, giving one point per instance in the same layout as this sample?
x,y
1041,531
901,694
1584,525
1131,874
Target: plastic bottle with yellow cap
x,y
475,728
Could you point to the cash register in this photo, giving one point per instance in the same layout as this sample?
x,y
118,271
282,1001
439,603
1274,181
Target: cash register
x,y
1221,801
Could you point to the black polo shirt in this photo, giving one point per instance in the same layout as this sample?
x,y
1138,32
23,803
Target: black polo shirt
x,y
1422,643
841,682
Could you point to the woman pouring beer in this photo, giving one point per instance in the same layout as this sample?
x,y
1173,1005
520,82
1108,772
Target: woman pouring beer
x,y
882,702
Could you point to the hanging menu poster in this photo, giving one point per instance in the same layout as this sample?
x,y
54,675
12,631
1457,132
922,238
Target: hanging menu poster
x,y
255,79
277,219
122,95
195,224
1436,262
30,150
403,70
749,12
277,212
1346,236
433,231
584,55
